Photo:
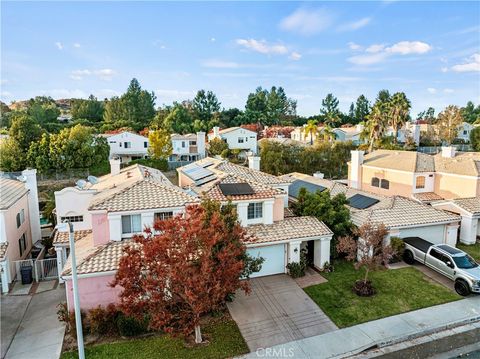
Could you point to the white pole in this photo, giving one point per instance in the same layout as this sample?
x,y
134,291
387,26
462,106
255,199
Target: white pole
x,y
76,299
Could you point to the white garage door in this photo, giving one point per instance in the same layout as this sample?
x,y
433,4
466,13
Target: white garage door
x,y
274,256
434,234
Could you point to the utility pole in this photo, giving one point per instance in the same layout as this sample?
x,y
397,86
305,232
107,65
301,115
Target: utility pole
x,y
76,299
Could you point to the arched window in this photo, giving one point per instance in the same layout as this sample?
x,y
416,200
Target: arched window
x,y
420,182
385,184
375,182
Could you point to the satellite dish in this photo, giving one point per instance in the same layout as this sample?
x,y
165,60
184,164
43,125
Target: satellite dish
x,y
81,184
22,178
92,179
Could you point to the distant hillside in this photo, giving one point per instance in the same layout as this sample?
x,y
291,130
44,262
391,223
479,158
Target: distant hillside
x,y
64,104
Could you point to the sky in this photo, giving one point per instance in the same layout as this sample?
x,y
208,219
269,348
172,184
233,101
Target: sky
x,y
429,50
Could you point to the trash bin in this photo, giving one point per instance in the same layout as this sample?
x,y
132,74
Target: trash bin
x,y
27,276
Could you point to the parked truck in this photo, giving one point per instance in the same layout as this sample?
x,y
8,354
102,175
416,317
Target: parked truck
x,y
446,260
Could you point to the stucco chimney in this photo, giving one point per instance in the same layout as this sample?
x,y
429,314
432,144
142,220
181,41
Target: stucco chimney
x,y
355,171
318,175
216,131
254,163
448,152
201,144
115,166
33,210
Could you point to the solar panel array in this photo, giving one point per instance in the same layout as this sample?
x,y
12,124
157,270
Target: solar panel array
x,y
199,174
236,189
296,185
359,201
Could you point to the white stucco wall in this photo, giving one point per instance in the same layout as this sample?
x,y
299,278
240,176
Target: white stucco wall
x,y
137,145
72,201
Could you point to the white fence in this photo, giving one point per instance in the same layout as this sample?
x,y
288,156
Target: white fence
x,y
42,269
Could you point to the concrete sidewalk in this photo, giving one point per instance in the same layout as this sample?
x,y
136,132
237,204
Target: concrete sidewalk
x,y
349,341
39,334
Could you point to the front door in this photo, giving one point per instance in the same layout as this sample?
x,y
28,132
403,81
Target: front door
x,y
310,251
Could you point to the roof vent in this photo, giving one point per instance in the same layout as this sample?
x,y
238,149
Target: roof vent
x,y
81,184
92,179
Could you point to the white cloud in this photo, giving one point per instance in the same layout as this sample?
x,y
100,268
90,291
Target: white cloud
x,y
295,56
59,45
355,25
444,69
472,64
373,49
307,21
76,45
262,46
213,39
104,74
409,47
432,90
353,46
220,64
379,52
448,91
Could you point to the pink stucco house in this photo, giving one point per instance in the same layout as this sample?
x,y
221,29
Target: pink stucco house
x,y
107,212
19,221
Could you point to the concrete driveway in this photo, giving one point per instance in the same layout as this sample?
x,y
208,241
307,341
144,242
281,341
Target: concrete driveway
x,y
277,311
30,328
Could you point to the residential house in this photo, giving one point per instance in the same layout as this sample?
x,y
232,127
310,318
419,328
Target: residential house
x,y
261,200
403,217
352,133
105,214
427,178
127,146
464,131
299,134
469,210
19,221
237,138
189,147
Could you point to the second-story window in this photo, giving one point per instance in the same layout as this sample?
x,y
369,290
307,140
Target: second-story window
x,y
385,184
420,182
22,244
240,140
72,219
255,210
20,217
145,144
160,216
183,144
375,182
131,224
127,144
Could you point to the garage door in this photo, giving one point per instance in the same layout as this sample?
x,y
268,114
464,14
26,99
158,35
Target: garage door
x,y
434,234
274,259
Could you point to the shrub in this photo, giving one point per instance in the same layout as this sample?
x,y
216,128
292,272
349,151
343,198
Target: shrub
x,y
129,326
104,320
398,246
69,319
297,269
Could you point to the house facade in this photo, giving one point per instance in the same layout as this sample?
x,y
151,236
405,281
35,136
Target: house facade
x,y
447,175
189,147
237,138
127,146
19,222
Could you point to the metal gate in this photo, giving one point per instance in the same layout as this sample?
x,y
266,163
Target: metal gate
x,y
23,263
46,269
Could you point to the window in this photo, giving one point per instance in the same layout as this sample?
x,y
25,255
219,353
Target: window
x,y
375,182
246,139
22,244
145,144
127,144
385,184
72,219
437,255
183,144
464,132
120,144
255,210
193,143
420,182
131,224
160,216
240,140
18,220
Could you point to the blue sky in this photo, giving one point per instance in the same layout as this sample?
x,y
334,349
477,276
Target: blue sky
x,y
430,50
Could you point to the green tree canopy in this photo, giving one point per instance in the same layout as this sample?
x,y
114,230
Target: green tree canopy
x,y
24,129
90,109
362,109
205,105
12,156
329,113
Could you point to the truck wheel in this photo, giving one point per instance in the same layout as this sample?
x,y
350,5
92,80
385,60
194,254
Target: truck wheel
x,y
408,257
462,288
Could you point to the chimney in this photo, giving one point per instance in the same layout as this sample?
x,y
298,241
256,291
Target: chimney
x,y
33,210
319,175
201,145
216,132
254,163
115,166
448,152
355,170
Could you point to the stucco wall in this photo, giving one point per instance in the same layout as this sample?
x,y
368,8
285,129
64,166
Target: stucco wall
x,y
93,291
72,201
278,209
100,228
400,182
453,186
184,180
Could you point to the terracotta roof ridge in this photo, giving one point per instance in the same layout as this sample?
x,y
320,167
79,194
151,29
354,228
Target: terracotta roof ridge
x,y
171,188
101,201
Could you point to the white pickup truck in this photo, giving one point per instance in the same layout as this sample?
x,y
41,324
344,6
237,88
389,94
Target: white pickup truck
x,y
446,260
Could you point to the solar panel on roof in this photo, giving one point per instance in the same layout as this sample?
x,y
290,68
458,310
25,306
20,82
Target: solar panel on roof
x,y
205,180
196,173
236,189
207,164
295,187
359,201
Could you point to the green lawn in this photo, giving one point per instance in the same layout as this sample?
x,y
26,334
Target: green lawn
x,y
398,291
224,336
472,249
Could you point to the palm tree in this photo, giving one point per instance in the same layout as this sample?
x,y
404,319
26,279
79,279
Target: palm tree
x,y
398,112
328,134
376,124
311,129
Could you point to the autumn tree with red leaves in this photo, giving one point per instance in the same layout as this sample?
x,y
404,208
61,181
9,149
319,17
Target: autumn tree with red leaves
x,y
369,250
185,267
